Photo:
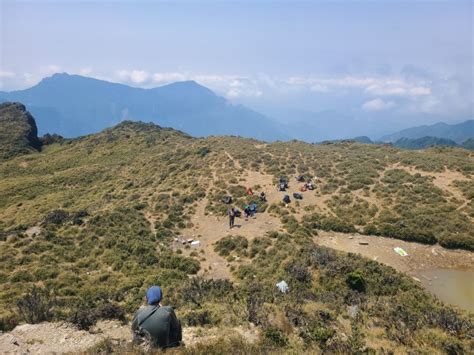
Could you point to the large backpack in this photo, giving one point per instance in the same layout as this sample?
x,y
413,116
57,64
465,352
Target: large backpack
x,y
286,199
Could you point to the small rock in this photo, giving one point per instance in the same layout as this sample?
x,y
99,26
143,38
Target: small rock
x,y
353,311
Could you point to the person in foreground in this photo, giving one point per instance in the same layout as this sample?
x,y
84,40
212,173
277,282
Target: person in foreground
x,y
156,325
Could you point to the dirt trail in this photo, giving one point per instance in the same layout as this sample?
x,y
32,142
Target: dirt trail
x,y
420,256
209,229
65,338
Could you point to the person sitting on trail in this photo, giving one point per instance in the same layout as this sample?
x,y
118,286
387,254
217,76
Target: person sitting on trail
x,y
263,197
231,214
247,211
249,191
253,209
156,325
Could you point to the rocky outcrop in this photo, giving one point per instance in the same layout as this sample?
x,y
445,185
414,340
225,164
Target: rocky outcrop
x,y
18,131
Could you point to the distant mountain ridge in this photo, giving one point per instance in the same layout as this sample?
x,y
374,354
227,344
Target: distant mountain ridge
x,y
424,142
457,132
73,105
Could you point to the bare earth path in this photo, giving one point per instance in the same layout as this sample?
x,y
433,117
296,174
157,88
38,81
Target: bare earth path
x,y
54,338
420,256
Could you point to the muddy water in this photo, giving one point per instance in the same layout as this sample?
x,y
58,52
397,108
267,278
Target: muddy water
x,y
451,286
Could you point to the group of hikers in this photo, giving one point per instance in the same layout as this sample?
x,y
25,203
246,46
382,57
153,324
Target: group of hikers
x,y
251,209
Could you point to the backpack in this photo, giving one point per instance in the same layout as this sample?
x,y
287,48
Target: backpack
x,y
298,196
286,199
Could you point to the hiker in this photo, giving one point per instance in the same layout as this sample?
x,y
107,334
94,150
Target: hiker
x,y
263,197
247,211
252,209
231,214
156,325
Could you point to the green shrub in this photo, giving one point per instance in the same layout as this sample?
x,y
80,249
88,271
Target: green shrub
x,y
87,317
35,306
275,337
228,244
356,281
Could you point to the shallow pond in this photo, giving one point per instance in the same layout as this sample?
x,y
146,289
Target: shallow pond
x,y
451,286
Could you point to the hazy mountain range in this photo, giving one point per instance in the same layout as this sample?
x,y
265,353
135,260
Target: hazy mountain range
x,y
456,132
73,105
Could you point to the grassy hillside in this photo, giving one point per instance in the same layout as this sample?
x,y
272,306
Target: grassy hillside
x,y
107,208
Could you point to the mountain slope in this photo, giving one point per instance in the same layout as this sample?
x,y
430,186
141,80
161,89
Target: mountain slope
x,y
96,220
18,131
424,142
73,105
457,132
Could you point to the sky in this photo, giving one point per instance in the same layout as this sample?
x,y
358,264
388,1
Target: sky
x,y
394,62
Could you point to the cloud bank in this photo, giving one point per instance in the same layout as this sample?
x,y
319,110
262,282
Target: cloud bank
x,y
403,93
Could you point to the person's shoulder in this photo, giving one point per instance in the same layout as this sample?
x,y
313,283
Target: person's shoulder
x,y
166,309
142,309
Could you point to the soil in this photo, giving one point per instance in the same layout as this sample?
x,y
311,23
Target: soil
x,y
420,256
65,338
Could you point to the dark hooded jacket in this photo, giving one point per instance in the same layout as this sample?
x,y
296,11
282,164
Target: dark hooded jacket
x,y
157,324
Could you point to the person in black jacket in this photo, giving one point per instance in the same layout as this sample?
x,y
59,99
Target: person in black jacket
x,y
156,325
231,214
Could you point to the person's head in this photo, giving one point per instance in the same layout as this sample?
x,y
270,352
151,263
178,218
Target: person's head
x,y
154,295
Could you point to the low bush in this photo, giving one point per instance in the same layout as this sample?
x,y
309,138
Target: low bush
x,y
86,318
36,305
229,244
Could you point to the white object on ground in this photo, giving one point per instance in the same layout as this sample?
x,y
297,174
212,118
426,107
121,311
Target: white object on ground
x,y
400,251
283,286
195,243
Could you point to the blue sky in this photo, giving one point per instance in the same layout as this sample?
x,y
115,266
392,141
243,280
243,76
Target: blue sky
x,y
411,61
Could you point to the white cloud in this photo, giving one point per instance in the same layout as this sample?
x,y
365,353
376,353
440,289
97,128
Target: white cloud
x,y
135,76
85,71
7,74
377,105
166,78
50,69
